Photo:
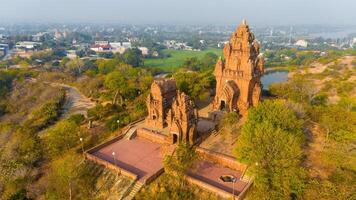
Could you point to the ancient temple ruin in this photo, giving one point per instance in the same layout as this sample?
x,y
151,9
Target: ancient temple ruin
x,y
159,102
169,108
182,119
238,75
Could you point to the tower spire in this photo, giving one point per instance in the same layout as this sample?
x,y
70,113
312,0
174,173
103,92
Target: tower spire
x,y
244,22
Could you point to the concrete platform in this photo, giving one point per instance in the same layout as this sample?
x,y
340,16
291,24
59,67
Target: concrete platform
x,y
210,172
139,156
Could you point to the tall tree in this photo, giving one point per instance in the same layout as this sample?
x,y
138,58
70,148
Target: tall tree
x,y
117,82
270,144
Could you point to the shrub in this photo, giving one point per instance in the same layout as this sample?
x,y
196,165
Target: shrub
x,y
77,118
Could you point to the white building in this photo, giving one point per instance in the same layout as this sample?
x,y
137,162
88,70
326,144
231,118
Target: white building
x,y
301,43
102,42
144,50
27,45
39,36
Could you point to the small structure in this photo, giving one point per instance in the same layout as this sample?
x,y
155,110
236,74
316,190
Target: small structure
x,y
168,107
238,76
182,120
301,43
159,101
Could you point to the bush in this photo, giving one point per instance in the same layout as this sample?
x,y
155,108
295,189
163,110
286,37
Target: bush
x,y
2,109
62,137
77,118
47,114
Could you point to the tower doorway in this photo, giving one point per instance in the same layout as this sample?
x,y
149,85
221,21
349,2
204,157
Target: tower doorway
x,y
222,105
175,138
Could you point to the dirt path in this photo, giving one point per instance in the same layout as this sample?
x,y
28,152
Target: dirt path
x,y
76,102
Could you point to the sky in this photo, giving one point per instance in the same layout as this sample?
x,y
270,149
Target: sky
x,y
258,12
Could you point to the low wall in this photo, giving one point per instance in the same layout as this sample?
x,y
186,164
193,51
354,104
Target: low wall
x,y
244,191
154,176
104,144
221,159
209,187
153,136
110,166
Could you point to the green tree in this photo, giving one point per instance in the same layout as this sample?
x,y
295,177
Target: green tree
x,y
209,60
117,82
75,66
62,137
192,63
133,57
338,123
181,161
270,144
64,178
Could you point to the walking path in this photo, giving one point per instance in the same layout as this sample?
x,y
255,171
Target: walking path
x,y
76,102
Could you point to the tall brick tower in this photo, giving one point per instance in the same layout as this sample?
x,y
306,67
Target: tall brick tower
x,y
238,75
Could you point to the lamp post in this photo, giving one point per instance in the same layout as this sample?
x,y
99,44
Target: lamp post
x,y
118,123
233,187
82,145
113,155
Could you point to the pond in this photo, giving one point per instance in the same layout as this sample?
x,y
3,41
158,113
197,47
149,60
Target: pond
x,y
273,77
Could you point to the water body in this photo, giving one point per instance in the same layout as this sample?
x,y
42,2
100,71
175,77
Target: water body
x,y
274,77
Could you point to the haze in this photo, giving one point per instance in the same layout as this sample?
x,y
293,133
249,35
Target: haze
x,y
259,12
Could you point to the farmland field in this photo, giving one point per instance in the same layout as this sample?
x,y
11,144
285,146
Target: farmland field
x,y
177,58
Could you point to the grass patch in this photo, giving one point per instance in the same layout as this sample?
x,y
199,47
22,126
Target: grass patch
x,y
177,58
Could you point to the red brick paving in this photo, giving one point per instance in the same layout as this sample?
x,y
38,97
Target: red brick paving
x,y
210,173
139,156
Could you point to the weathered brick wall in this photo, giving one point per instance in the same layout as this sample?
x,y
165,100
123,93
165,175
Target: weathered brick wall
x,y
154,176
152,136
222,159
209,187
111,141
110,166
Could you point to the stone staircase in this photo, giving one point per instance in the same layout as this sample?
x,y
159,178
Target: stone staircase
x,y
135,189
130,133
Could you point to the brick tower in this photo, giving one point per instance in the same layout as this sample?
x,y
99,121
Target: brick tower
x,y
238,75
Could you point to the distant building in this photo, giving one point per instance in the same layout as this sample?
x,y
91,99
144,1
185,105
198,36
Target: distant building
x,y
115,47
101,42
222,44
71,54
4,49
57,35
301,43
39,37
27,45
172,44
65,34
2,52
353,42
101,47
144,50
118,47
